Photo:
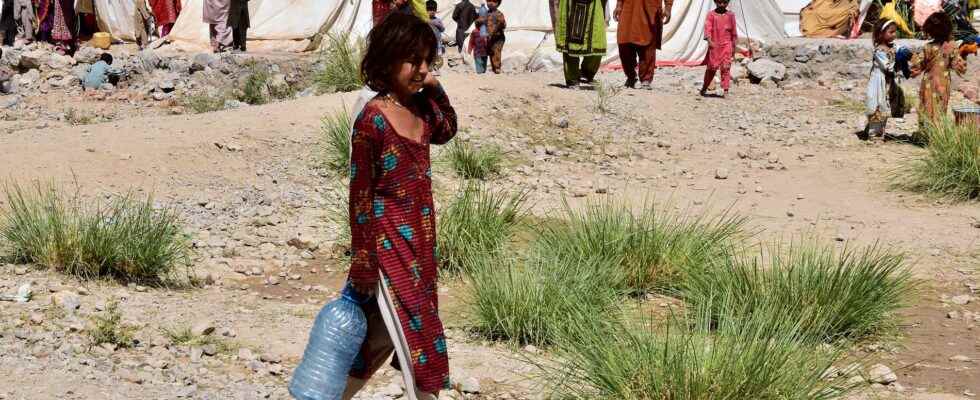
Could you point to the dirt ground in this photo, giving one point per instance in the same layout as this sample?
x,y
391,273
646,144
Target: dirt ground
x,y
786,157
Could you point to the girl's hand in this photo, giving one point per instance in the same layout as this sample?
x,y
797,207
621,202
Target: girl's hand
x,y
430,81
366,292
617,13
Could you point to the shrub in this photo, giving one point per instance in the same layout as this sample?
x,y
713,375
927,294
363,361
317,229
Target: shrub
x,y
202,103
476,223
256,88
655,248
533,299
471,162
605,93
335,138
184,336
833,295
950,167
109,328
341,64
123,238
752,358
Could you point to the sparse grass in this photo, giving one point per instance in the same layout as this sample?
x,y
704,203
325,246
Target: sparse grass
x,y
78,117
341,64
655,248
203,103
605,93
335,137
109,328
477,223
829,294
183,336
255,90
471,162
123,238
950,167
339,210
532,299
849,105
755,357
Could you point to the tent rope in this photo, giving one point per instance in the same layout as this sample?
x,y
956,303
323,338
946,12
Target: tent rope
x,y
745,23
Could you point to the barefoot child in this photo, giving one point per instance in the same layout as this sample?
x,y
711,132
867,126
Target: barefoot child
x,y
722,35
496,24
478,45
882,80
392,217
938,58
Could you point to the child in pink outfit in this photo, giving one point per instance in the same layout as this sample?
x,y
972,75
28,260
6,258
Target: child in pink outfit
x,y
722,34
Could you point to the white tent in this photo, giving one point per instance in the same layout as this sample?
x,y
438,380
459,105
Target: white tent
x,y
281,25
116,17
791,13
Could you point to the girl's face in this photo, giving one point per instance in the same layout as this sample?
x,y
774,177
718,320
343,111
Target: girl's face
x,y
890,34
721,3
411,76
492,5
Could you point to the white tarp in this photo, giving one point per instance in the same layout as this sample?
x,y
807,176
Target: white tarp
x,y
791,12
117,18
291,25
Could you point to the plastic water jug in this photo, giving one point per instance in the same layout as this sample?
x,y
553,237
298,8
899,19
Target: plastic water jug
x,y
335,340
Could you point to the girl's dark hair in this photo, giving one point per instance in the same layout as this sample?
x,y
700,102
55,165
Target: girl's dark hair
x,y
939,26
879,29
106,57
398,39
431,5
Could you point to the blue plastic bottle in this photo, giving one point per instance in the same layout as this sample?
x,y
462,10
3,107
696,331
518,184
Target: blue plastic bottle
x,y
335,340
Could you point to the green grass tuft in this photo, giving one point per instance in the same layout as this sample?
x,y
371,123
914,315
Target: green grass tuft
x,y
341,64
335,139
471,162
255,90
605,93
832,294
123,238
655,248
950,167
203,103
477,222
109,328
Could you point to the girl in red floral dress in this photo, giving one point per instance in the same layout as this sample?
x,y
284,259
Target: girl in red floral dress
x,y
391,210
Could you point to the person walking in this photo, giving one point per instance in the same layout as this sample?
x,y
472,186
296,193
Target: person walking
x,y
640,35
216,14
8,23
141,19
238,22
165,12
580,35
464,14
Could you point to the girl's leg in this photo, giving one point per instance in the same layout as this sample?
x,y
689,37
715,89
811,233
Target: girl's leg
x,y
709,75
354,385
481,64
726,77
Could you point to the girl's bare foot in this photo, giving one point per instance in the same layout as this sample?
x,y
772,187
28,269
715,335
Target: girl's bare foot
x,y
703,92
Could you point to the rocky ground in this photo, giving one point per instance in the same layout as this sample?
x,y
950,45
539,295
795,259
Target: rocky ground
x,y
262,212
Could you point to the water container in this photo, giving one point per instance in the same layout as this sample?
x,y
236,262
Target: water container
x,y
335,340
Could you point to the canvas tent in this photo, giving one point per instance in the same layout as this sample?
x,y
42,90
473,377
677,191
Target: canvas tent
x,y
116,17
279,25
530,40
791,15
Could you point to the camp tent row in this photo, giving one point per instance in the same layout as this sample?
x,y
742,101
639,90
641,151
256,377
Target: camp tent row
x,y
299,25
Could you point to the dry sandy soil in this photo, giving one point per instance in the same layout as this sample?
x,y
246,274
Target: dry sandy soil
x,y
247,181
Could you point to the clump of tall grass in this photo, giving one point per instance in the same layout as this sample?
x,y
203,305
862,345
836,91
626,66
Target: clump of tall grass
x,y
532,299
204,103
471,162
478,221
341,64
255,90
753,357
951,165
335,137
656,248
832,294
124,238
605,93
110,328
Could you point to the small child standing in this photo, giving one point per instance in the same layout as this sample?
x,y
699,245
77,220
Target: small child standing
x,y
722,34
478,45
496,24
882,80
938,58
431,7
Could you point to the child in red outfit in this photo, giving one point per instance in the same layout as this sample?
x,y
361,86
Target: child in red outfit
x,y
722,34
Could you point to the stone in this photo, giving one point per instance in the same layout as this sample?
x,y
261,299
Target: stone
x,y
255,365
87,55
561,122
69,301
202,61
31,60
470,386
961,300
20,270
805,53
179,65
960,358
953,315
80,71
37,318
721,173
161,96
202,328
246,354
766,70
166,85
149,60
11,57
881,374
233,104
392,390
131,377
270,358
209,350
275,369
196,354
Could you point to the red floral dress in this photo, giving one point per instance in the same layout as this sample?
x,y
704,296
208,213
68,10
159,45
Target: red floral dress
x,y
393,226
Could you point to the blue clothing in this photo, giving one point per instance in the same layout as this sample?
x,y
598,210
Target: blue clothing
x,y
97,76
438,28
481,64
484,11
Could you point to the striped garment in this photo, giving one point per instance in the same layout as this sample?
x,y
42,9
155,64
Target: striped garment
x,y
393,229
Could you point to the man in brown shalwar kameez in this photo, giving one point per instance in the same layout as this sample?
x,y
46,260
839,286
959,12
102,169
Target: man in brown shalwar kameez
x,y
640,34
